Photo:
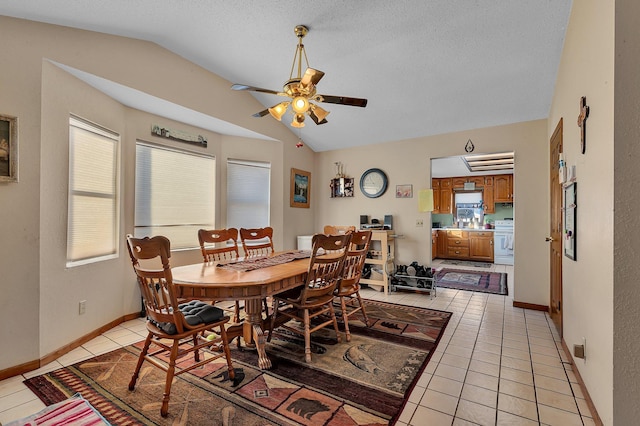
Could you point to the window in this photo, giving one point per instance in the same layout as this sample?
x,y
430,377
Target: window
x,y
248,184
92,232
175,194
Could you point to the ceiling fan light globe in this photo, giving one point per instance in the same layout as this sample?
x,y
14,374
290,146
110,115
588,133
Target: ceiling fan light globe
x,y
298,121
321,113
278,111
300,104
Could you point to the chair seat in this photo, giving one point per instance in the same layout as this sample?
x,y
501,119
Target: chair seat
x,y
195,313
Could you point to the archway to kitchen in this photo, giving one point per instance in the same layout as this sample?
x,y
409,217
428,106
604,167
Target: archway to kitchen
x,y
472,219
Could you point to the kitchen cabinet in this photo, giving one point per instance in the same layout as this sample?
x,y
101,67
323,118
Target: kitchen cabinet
x,y
481,245
442,195
446,196
503,188
442,243
457,244
435,185
458,182
381,254
487,195
434,244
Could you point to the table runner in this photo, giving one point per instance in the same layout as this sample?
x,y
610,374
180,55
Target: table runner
x,y
249,264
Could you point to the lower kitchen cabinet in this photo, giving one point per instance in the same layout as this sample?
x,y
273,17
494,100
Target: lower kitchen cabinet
x,y
481,246
463,245
457,244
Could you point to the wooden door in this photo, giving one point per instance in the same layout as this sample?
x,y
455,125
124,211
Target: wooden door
x,y
555,238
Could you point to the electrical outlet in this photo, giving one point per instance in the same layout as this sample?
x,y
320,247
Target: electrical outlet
x,y
82,307
419,223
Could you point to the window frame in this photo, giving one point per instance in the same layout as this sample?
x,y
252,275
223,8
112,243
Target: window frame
x,y
73,192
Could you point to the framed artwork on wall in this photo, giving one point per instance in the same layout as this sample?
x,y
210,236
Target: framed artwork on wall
x,y
8,148
404,191
300,188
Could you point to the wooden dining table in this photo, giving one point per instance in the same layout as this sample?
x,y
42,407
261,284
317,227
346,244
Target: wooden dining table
x,y
212,281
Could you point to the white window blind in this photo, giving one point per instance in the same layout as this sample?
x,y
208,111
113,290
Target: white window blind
x,y
248,194
175,194
92,232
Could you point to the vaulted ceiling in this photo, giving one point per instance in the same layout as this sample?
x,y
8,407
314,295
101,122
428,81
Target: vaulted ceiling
x,y
426,67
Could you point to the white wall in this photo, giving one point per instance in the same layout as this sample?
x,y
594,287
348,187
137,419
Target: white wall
x,y
408,162
40,296
626,244
587,69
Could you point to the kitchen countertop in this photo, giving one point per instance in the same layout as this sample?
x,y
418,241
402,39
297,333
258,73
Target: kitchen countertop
x,y
463,229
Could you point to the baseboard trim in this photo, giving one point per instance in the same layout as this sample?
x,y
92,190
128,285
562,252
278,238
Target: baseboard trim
x,y
583,388
35,364
531,306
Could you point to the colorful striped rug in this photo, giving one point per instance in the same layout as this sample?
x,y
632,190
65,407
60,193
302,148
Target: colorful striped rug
x,y
365,381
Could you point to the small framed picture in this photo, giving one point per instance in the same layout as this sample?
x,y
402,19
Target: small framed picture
x,y
404,191
8,148
300,188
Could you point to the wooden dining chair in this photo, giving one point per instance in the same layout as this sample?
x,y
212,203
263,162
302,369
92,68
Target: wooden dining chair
x,y
314,297
257,241
338,229
173,328
348,289
220,245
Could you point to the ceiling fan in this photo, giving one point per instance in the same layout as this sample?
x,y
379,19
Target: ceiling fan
x,y
301,89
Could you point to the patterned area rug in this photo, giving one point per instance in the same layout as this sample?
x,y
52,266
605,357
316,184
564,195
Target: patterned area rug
x,y
467,263
486,282
362,382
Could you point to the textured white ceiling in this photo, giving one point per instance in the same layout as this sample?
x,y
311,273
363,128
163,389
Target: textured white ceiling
x,y
426,67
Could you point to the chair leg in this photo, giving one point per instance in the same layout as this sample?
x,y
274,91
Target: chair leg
x,y
335,322
364,312
345,318
196,353
164,410
307,335
227,352
145,350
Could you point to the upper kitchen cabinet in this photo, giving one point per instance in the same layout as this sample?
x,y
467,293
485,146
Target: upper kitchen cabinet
x,y
442,195
503,188
458,182
488,195
446,195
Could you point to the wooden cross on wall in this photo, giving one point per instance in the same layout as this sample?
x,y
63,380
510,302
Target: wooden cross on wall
x,y
582,121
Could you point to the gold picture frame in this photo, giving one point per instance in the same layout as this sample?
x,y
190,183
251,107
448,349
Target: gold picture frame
x,y
8,148
300,192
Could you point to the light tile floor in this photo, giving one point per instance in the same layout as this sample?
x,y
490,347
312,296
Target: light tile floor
x,y
495,365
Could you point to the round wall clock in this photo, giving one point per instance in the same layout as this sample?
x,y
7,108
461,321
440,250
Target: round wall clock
x,y
373,183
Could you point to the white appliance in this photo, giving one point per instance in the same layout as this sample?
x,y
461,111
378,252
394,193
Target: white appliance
x,y
503,242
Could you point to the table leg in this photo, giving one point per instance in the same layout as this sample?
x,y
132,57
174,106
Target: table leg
x,y
252,332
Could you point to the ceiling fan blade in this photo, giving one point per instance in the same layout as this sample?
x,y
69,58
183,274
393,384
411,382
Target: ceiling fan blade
x,y
311,76
261,113
256,89
342,100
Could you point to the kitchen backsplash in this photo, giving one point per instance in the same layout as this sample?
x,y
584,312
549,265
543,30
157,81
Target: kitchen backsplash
x,y
503,211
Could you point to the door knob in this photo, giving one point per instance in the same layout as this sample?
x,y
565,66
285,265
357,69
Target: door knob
x,y
549,239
